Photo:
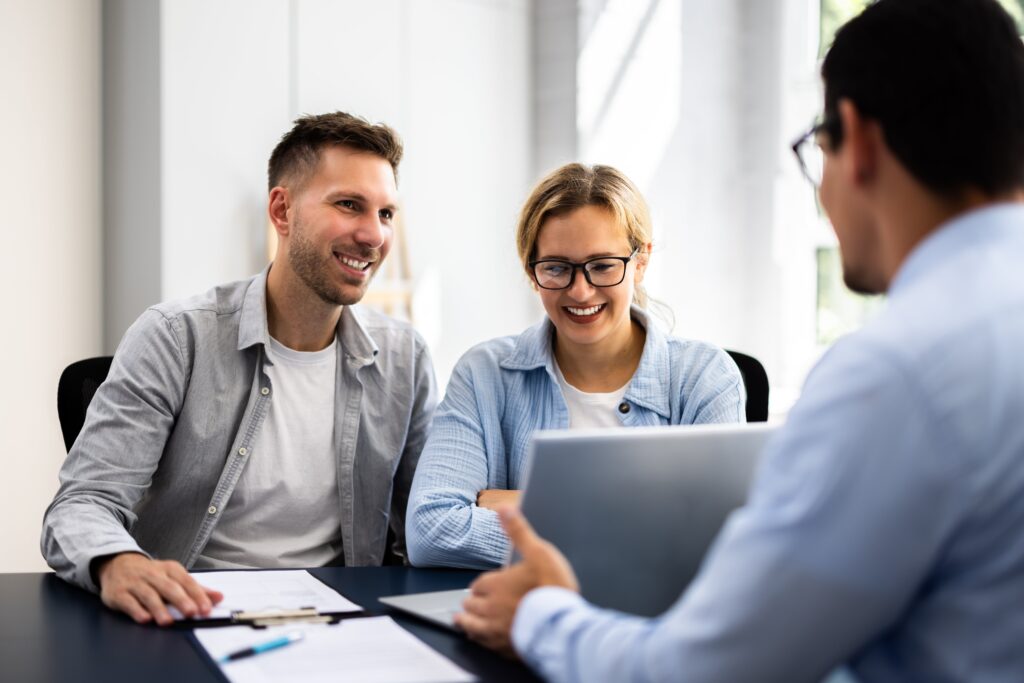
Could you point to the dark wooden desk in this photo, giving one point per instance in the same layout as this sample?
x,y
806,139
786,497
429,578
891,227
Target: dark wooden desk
x,y
51,631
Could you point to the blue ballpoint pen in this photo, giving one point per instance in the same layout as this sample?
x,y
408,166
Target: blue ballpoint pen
x,y
286,639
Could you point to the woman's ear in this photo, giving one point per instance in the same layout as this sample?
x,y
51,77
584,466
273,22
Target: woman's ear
x,y
642,257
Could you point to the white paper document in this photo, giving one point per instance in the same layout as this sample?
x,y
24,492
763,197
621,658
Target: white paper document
x,y
270,589
364,650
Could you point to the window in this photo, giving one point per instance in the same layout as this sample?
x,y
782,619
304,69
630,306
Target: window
x,y
835,13
1016,10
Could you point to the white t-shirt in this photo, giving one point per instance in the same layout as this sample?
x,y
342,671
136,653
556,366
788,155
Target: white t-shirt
x,y
588,410
285,510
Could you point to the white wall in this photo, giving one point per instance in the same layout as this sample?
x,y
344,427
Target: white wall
x,y
452,76
51,280
224,74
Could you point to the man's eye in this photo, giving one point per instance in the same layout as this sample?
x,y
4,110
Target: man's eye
x,y
387,214
346,203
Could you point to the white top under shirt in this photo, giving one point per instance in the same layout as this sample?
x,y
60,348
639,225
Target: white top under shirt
x,y
285,510
588,410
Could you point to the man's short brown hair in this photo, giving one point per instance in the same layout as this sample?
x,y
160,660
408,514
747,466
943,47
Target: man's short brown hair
x,y
298,153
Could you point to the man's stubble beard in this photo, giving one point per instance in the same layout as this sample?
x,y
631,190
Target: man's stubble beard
x,y
314,270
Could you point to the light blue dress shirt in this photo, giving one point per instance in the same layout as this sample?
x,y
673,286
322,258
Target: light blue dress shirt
x,y
505,389
885,528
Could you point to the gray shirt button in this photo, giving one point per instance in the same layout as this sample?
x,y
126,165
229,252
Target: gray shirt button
x,y
212,509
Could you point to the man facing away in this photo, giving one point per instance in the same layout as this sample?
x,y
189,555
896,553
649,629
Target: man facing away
x,y
265,423
885,527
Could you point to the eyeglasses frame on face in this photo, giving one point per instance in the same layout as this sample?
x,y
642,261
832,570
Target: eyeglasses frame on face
x,y
827,125
582,266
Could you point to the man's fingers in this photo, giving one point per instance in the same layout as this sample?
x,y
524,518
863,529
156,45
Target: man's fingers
x,y
477,606
153,603
205,598
214,596
485,632
474,626
482,585
127,603
175,593
523,537
203,602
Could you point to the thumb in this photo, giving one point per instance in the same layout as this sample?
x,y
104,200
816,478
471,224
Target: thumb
x,y
523,537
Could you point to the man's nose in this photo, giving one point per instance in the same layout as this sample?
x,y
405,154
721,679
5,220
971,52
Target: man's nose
x,y
371,232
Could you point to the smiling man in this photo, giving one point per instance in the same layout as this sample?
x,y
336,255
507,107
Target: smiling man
x,y
266,423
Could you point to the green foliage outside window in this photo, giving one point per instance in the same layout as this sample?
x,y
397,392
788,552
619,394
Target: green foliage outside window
x,y
1016,10
839,310
835,13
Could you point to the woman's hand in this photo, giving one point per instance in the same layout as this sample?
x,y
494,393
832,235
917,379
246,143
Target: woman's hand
x,y
492,499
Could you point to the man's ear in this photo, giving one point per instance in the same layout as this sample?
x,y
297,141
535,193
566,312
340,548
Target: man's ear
x,y
861,140
278,208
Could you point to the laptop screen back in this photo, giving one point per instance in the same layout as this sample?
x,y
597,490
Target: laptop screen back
x,y
636,509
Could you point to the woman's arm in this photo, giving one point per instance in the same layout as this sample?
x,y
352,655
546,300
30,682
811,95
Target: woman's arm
x,y
713,389
444,524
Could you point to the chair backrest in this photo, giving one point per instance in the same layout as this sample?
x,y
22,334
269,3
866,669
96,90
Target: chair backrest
x,y
755,379
78,383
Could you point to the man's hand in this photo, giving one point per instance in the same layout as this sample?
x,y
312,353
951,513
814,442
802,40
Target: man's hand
x,y
142,588
495,499
494,597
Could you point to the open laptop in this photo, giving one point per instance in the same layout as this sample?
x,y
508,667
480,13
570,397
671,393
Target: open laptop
x,y
633,509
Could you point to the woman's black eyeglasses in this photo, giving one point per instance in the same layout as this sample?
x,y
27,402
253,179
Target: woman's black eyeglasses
x,y
603,271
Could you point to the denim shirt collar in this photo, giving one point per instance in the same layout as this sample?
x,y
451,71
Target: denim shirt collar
x,y
356,342
650,385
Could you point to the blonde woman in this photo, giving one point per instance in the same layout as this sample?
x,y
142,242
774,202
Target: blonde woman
x,y
596,360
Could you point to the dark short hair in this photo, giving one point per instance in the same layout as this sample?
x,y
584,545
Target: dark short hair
x,y
298,152
945,81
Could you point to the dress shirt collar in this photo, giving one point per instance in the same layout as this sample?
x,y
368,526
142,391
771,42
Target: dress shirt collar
x,y
649,386
966,231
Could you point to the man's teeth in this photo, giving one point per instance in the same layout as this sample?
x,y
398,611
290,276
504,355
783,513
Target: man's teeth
x,y
351,262
585,311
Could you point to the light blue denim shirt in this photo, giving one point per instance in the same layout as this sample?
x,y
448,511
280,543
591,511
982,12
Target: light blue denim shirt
x,y
885,528
502,391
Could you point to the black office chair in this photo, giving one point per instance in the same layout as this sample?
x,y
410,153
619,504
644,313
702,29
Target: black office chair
x,y
78,383
755,379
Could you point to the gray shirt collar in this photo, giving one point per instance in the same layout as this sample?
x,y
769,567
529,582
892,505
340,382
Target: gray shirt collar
x,y
356,342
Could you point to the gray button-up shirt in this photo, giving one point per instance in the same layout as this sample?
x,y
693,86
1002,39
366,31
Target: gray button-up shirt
x,y
168,434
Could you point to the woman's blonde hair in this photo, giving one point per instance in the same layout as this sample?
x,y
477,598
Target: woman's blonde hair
x,y
574,186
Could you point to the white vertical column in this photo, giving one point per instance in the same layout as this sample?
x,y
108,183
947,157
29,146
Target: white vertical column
x,y
131,162
50,283
556,48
